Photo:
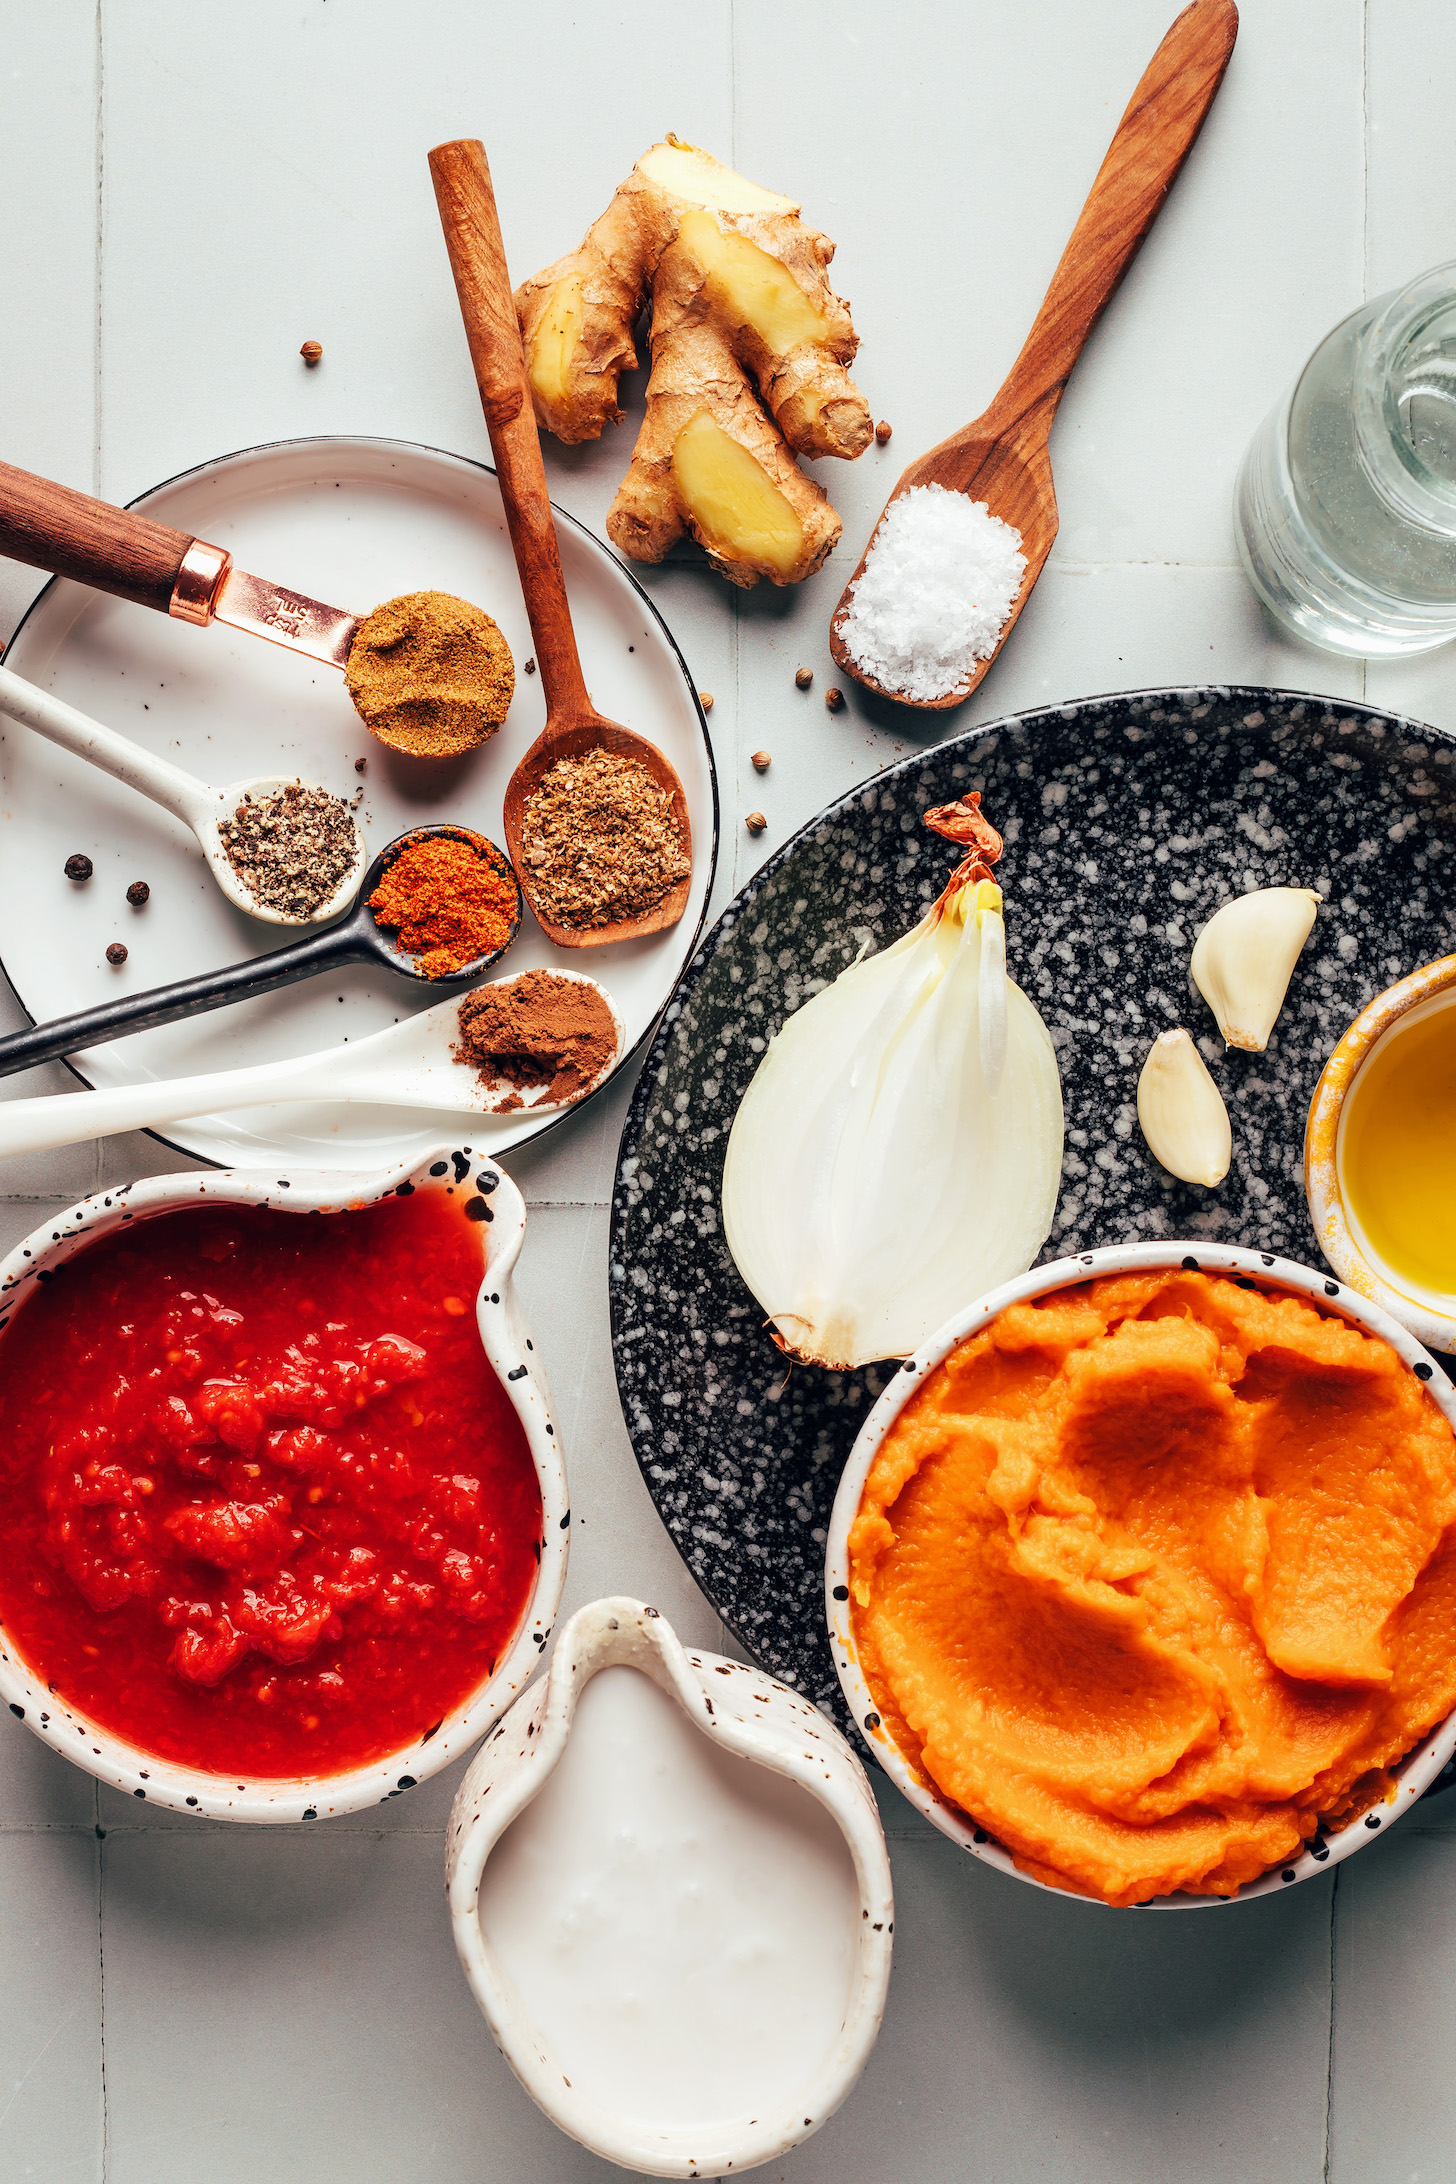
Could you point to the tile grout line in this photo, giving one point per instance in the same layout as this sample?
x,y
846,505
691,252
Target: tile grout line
x,y
96,386
101,1991
1325,2171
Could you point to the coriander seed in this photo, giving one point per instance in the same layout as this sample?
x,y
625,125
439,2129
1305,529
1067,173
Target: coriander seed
x,y
138,894
882,432
79,867
761,761
705,699
755,822
311,352
804,677
834,699
116,953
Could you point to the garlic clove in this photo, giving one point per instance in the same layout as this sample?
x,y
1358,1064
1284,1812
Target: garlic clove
x,y
1182,1113
1245,956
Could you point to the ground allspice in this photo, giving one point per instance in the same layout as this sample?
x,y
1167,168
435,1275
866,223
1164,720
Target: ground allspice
x,y
451,899
430,674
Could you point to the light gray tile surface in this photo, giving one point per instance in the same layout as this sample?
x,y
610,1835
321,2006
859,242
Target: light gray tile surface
x,y
211,187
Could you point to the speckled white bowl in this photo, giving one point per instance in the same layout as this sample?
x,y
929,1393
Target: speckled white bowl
x,y
506,1341
1419,1768
745,1713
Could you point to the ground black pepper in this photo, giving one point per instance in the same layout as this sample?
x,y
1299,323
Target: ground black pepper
x,y
291,849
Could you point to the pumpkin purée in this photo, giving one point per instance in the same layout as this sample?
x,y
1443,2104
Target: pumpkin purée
x,y
1156,1573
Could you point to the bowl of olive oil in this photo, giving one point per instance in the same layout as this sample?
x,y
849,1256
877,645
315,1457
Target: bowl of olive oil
x,y
1380,1154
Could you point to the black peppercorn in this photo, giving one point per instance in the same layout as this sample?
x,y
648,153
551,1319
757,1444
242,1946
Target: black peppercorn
x,y
138,893
116,953
79,867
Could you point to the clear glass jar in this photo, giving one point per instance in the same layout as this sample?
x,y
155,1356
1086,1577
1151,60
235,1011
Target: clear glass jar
x,y
1345,508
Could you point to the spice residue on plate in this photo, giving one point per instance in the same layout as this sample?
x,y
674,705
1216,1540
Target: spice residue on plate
x,y
430,674
538,1029
601,841
941,578
452,899
291,849
265,1508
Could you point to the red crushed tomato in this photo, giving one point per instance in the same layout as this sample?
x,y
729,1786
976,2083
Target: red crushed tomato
x,y
265,1509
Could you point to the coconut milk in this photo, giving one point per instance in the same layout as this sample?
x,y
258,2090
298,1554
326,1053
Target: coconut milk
x,y
679,1922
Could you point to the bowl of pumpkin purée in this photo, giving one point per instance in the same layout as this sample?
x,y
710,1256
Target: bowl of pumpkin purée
x,y
1141,1576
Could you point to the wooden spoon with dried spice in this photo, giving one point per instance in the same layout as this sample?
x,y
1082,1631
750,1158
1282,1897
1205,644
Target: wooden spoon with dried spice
x,y
630,868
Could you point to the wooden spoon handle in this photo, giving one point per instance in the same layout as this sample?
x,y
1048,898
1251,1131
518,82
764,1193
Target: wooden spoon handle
x,y
1153,139
51,527
478,261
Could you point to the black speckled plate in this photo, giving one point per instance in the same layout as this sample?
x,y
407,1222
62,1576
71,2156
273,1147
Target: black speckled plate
x,y
1127,820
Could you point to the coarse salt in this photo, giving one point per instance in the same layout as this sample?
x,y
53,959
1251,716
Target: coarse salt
x,y
942,576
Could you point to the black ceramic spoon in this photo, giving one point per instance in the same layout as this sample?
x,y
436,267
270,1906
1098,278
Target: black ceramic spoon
x,y
358,939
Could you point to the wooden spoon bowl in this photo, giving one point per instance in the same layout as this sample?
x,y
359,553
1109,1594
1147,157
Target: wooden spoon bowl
x,y
595,734
1003,458
468,216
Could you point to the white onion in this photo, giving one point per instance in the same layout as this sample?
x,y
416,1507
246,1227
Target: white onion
x,y
899,1150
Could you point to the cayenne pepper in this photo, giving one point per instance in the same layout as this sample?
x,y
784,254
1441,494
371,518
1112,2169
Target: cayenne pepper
x,y
451,898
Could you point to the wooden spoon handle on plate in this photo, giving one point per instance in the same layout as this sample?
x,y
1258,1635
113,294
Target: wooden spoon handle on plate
x,y
478,261
1153,139
49,526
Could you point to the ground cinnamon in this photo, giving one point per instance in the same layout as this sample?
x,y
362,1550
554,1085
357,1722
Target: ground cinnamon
x,y
451,898
430,674
538,1028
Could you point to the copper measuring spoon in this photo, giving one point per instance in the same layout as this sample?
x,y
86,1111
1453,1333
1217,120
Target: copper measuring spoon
x,y
358,939
49,526
468,215
1003,458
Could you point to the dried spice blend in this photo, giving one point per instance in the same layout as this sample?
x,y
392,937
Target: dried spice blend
x,y
601,841
451,898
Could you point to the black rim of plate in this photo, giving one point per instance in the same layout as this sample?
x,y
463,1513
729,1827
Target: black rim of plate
x,y
562,515
809,1666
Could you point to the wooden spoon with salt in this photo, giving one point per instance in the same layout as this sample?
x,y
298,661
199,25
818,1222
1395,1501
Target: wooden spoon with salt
x,y
573,727
1003,457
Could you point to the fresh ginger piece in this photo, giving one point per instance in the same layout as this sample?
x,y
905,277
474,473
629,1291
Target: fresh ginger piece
x,y
697,178
557,341
745,328
732,502
744,283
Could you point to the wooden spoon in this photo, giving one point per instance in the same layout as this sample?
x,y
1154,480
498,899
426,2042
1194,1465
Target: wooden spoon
x,y
1003,459
477,259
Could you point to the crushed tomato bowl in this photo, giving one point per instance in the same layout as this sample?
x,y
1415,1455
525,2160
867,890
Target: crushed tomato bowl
x,y
1308,1670
283,1513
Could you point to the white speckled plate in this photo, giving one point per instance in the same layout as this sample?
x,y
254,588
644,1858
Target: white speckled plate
x,y
351,522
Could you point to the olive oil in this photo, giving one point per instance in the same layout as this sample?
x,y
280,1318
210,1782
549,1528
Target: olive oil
x,y
1397,1151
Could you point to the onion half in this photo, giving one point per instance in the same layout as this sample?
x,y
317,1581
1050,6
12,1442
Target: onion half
x,y
899,1150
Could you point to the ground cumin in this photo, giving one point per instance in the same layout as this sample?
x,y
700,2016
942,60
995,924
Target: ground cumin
x,y
430,674
539,1028
451,898
600,840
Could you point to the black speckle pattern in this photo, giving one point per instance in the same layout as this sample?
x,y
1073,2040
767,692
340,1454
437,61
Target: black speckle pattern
x,y
1128,820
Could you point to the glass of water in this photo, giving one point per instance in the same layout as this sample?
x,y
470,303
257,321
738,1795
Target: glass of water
x,y
1345,508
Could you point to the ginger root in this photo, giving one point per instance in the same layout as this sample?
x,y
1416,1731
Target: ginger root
x,y
749,352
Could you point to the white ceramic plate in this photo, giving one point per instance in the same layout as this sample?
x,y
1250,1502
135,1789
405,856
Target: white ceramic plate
x,y
352,522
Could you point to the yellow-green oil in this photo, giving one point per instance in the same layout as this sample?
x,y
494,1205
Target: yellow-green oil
x,y
1397,1151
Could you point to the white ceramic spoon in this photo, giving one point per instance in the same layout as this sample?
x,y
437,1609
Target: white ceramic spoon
x,y
409,1065
196,803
